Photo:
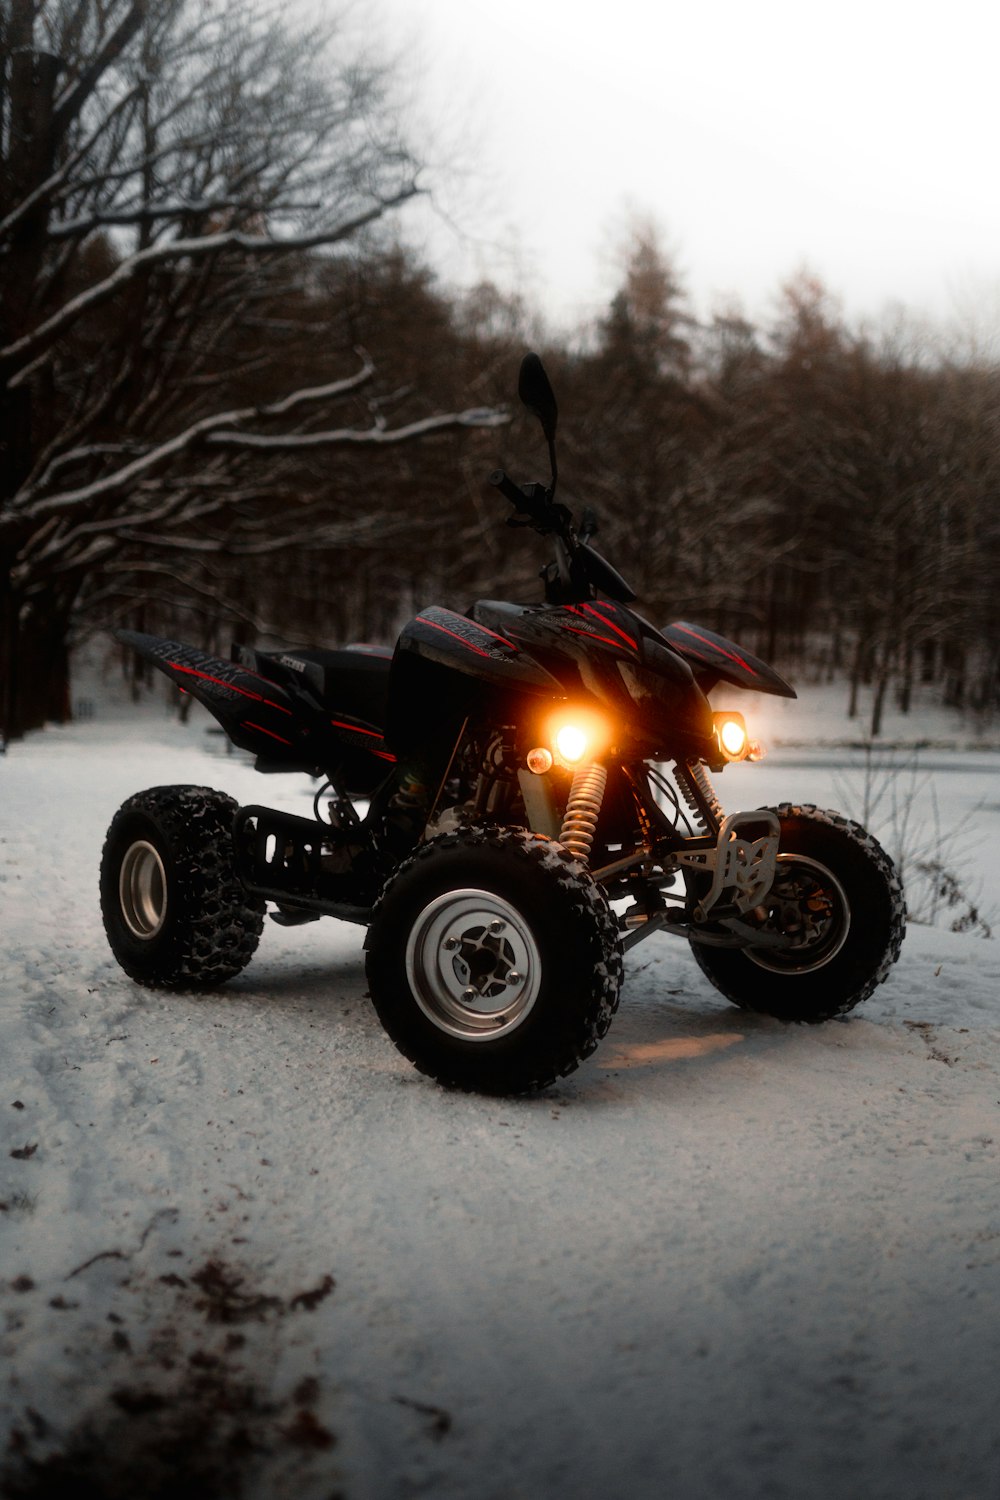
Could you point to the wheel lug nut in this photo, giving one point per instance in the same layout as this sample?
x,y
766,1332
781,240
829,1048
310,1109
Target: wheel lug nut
x,y
451,944
513,977
496,926
468,996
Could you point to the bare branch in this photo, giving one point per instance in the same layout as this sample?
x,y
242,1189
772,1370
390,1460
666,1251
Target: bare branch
x,y
145,212
28,347
64,175
364,438
189,585
70,106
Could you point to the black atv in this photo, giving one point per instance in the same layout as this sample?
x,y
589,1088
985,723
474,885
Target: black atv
x,y
496,809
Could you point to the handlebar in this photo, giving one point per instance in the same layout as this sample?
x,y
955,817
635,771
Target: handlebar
x,y
577,564
508,489
535,503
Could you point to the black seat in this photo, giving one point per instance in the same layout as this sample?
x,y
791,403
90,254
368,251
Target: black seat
x,y
352,681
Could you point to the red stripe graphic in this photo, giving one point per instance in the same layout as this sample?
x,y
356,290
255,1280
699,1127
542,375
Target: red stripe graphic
x,y
445,631
355,728
501,638
269,732
714,646
221,682
591,635
592,609
373,734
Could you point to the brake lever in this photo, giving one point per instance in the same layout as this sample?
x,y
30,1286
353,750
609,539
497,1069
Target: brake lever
x,y
588,526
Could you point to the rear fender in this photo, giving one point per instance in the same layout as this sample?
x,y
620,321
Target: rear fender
x,y
258,715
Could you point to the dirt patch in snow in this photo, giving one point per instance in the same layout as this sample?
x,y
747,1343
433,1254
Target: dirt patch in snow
x,y
188,1415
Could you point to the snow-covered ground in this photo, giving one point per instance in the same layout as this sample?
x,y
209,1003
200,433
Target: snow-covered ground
x,y
247,1250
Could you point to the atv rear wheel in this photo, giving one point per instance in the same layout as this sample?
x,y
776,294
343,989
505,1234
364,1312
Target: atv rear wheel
x,y
174,909
493,960
837,890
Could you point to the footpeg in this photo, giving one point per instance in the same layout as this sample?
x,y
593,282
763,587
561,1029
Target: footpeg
x,y
288,917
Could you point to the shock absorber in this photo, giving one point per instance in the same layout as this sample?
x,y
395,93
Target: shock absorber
x,y
583,808
699,794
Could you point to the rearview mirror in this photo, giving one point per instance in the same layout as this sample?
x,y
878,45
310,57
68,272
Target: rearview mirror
x,y
537,395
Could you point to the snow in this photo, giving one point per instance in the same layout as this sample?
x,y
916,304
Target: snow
x,y
247,1250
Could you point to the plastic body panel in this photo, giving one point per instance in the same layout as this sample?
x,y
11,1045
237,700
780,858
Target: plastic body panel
x,y
279,712
468,645
713,656
257,714
606,653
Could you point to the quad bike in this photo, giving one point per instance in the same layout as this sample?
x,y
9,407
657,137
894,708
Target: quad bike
x,y
511,799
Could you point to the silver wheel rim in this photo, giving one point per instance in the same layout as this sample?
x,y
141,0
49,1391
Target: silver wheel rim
x,y
825,924
142,890
473,965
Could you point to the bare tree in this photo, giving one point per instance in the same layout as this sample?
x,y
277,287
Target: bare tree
x,y
169,172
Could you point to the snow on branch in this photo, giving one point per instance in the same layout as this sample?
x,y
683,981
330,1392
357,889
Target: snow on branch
x,y
360,437
222,430
28,506
141,212
27,348
64,174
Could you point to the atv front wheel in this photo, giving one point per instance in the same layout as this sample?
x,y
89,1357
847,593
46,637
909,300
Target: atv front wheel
x,y
837,895
493,960
175,912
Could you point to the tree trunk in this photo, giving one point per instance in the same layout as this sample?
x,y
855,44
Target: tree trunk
x,y
882,675
35,664
15,461
9,726
905,698
878,703
29,78
857,670
954,689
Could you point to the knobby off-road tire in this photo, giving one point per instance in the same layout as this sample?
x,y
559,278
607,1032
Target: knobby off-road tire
x,y
493,960
836,882
175,911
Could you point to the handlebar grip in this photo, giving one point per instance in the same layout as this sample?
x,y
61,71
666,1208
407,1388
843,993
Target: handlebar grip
x,y
510,491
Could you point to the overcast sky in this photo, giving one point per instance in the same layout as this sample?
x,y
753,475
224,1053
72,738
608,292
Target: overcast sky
x,y
858,139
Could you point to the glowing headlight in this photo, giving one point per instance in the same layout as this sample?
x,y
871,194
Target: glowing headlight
x,y
733,737
572,743
577,733
731,733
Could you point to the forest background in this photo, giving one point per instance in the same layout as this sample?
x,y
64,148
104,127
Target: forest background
x,y
236,405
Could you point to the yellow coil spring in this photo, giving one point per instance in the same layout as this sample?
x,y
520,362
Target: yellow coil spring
x,y
583,808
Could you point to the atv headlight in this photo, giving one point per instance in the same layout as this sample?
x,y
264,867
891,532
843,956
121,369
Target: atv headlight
x,y
577,735
571,743
731,735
